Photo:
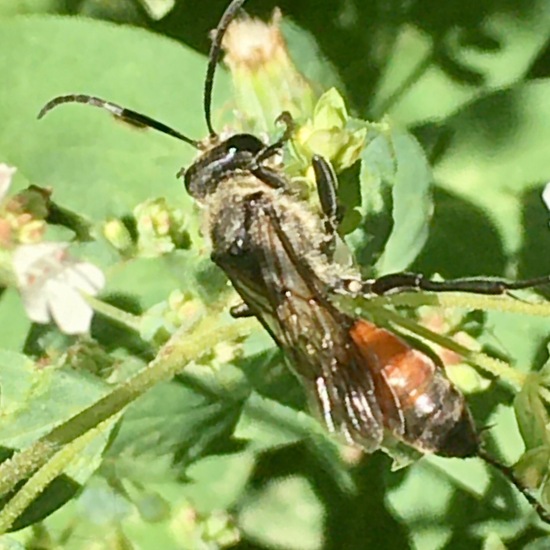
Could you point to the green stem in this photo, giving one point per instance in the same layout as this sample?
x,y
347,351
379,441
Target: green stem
x,y
462,300
132,322
45,475
493,366
173,356
378,307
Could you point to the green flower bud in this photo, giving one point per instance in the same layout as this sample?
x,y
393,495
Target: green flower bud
x,y
160,228
330,133
118,235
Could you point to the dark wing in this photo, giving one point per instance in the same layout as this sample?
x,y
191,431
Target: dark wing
x,y
275,280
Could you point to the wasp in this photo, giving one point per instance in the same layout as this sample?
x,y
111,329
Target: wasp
x,y
278,252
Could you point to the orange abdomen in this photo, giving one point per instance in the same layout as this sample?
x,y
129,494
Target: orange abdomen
x,y
419,404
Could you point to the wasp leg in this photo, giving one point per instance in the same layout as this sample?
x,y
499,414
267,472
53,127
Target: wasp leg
x,y
402,282
285,118
268,175
327,185
271,177
240,310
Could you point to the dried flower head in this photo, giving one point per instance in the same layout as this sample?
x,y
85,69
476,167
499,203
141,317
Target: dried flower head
x,y
251,43
260,65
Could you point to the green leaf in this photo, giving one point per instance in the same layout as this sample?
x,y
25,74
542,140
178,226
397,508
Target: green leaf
x,y
396,204
267,423
451,492
499,149
531,414
98,167
416,55
14,320
34,400
285,513
175,420
217,482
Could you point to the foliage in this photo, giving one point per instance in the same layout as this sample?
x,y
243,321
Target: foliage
x,y
224,454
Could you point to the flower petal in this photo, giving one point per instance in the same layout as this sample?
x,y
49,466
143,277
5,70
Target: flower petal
x,y
51,282
68,308
35,303
85,277
34,263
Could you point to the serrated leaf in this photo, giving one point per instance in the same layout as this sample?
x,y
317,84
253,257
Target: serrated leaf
x,y
179,421
267,423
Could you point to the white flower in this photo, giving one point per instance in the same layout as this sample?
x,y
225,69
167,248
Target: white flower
x,y
51,284
6,173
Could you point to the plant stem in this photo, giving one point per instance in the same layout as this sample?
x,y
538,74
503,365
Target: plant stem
x,y
172,357
132,322
38,482
493,366
462,300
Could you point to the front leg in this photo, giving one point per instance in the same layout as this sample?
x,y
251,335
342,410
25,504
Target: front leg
x,y
270,176
284,118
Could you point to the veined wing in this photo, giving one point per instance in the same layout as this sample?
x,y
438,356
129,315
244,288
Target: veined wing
x,y
283,291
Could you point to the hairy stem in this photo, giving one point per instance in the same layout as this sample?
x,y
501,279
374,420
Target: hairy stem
x,y
171,359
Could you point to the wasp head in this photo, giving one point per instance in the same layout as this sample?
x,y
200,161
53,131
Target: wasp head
x,y
219,162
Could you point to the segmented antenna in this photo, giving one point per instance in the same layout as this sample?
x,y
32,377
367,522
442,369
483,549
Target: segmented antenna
x,y
127,115
509,474
214,57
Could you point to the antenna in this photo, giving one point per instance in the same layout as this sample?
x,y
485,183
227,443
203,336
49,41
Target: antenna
x,y
127,115
214,56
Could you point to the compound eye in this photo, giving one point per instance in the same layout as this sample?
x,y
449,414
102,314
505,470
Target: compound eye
x,y
244,142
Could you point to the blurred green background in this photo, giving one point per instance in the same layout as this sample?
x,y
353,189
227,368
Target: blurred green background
x,y
471,80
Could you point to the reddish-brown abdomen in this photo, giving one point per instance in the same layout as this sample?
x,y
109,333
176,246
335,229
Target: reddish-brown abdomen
x,y
419,404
